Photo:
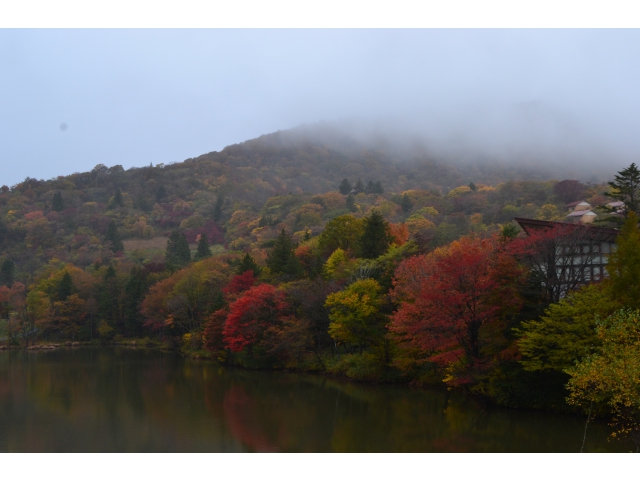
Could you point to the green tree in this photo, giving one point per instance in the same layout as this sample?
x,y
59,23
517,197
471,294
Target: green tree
x,y
114,237
177,253
359,186
376,237
117,198
281,258
567,331
134,293
65,287
610,377
57,204
161,193
355,314
204,251
342,232
248,263
217,209
626,188
345,187
109,299
7,273
406,203
509,230
624,264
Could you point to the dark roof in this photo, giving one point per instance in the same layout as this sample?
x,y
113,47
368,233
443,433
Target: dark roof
x,y
606,233
573,204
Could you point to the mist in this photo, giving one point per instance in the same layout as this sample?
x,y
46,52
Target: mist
x,y
563,100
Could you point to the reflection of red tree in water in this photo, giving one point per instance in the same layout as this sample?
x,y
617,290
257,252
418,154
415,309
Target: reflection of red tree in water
x,y
241,414
456,444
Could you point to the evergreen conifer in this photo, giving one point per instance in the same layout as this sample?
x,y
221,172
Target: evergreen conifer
x,y
217,209
177,253
117,198
626,188
370,188
204,251
279,259
65,287
376,237
406,203
248,263
114,237
7,273
359,187
345,187
134,292
57,204
160,193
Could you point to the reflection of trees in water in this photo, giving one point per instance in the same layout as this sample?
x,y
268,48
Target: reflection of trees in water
x,y
127,400
244,418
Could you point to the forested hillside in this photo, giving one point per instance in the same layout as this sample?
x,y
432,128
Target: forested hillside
x,y
306,250
244,195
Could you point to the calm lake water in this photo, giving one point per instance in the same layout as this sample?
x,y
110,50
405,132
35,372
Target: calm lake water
x,y
127,400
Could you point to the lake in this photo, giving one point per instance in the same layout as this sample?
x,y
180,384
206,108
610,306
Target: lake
x,y
136,400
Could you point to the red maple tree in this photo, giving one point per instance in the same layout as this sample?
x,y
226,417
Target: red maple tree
x,y
251,315
452,299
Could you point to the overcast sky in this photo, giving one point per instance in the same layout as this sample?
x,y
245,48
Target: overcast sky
x,y
71,99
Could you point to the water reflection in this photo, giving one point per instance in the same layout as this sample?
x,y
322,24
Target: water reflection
x,y
125,400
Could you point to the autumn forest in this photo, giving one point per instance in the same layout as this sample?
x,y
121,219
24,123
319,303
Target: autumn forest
x,y
307,251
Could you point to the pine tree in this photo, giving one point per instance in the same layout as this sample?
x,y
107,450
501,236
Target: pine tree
x,y
109,298
370,188
406,203
117,198
177,253
351,204
376,237
345,187
473,187
248,263
217,209
161,193
57,205
293,266
626,188
359,188
203,248
134,293
378,187
65,287
114,237
7,273
279,258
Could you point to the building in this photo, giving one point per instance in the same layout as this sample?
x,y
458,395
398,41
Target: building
x,y
580,212
575,255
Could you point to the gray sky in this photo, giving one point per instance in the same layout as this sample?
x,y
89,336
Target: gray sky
x,y
131,97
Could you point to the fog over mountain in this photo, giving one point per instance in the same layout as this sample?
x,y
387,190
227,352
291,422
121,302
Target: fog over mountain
x,y
562,100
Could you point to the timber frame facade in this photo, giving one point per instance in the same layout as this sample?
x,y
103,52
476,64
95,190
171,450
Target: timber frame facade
x,y
577,255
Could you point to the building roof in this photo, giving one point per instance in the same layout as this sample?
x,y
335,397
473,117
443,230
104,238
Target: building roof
x,y
605,233
573,204
580,213
615,204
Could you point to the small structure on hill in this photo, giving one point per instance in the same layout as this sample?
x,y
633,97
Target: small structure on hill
x,y
580,212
